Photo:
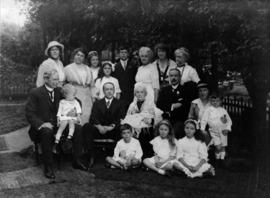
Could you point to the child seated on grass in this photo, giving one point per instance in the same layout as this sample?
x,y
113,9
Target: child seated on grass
x,y
192,153
219,122
128,151
164,146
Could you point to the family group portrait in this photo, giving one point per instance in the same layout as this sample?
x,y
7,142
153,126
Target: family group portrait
x,y
146,98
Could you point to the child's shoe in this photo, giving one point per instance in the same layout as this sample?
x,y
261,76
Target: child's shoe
x,y
161,172
210,173
55,148
222,155
217,155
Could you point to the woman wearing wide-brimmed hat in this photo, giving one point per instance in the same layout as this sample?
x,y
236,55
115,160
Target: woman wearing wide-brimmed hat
x,y
54,51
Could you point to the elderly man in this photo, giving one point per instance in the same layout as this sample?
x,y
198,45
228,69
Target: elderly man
x,y
105,118
175,102
41,110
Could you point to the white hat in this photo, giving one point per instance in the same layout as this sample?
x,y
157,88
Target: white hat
x,y
52,44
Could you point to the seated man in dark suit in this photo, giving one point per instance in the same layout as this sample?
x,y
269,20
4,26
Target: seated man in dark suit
x,y
41,110
125,72
104,121
174,102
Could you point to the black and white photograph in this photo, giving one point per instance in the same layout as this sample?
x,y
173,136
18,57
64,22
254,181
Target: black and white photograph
x,y
134,98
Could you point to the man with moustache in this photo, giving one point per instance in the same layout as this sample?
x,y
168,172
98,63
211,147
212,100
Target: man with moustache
x,y
41,109
174,102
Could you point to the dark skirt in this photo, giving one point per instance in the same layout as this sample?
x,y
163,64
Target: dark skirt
x,y
146,135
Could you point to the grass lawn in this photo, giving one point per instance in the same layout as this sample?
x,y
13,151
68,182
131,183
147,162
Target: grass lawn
x,y
115,183
11,117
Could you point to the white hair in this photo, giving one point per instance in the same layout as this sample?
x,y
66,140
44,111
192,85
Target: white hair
x,y
47,74
140,86
146,50
184,51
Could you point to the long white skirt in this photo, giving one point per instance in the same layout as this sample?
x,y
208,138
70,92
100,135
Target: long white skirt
x,y
84,94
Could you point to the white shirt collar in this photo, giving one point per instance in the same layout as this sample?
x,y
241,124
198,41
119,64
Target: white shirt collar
x,y
49,88
108,100
175,86
123,62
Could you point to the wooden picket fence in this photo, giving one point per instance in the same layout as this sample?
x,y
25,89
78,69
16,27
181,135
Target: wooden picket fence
x,y
17,89
237,105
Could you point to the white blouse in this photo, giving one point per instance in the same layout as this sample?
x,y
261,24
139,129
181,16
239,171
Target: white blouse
x,y
79,74
132,149
48,65
188,74
172,65
202,107
191,150
148,74
94,71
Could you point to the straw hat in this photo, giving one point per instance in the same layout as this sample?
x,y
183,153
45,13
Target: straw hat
x,y
52,44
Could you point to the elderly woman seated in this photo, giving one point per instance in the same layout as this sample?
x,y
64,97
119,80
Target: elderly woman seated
x,y
142,115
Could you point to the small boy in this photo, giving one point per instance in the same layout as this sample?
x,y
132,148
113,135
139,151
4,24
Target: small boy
x,y
128,151
66,105
219,123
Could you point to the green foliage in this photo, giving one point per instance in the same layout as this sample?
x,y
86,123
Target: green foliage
x,y
232,34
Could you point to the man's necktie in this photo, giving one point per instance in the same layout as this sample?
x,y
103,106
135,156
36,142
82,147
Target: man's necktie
x,y
108,104
51,95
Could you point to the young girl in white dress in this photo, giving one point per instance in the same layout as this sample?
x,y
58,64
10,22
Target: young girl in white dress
x,y
105,76
192,153
65,106
128,151
164,146
94,63
219,123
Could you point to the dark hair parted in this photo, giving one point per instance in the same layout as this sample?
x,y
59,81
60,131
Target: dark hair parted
x,y
163,47
125,126
197,135
123,47
75,51
101,72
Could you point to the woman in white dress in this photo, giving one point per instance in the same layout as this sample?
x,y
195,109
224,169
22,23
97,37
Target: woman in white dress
x,y
54,51
148,74
142,115
163,64
189,74
94,63
79,74
199,105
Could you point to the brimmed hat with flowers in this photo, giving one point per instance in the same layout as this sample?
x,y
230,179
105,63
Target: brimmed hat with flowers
x,y
52,44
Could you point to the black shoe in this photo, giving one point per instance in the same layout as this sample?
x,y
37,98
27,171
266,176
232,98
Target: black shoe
x,y
49,173
79,165
56,148
67,146
91,163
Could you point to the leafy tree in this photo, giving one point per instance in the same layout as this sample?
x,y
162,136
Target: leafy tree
x,y
233,34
